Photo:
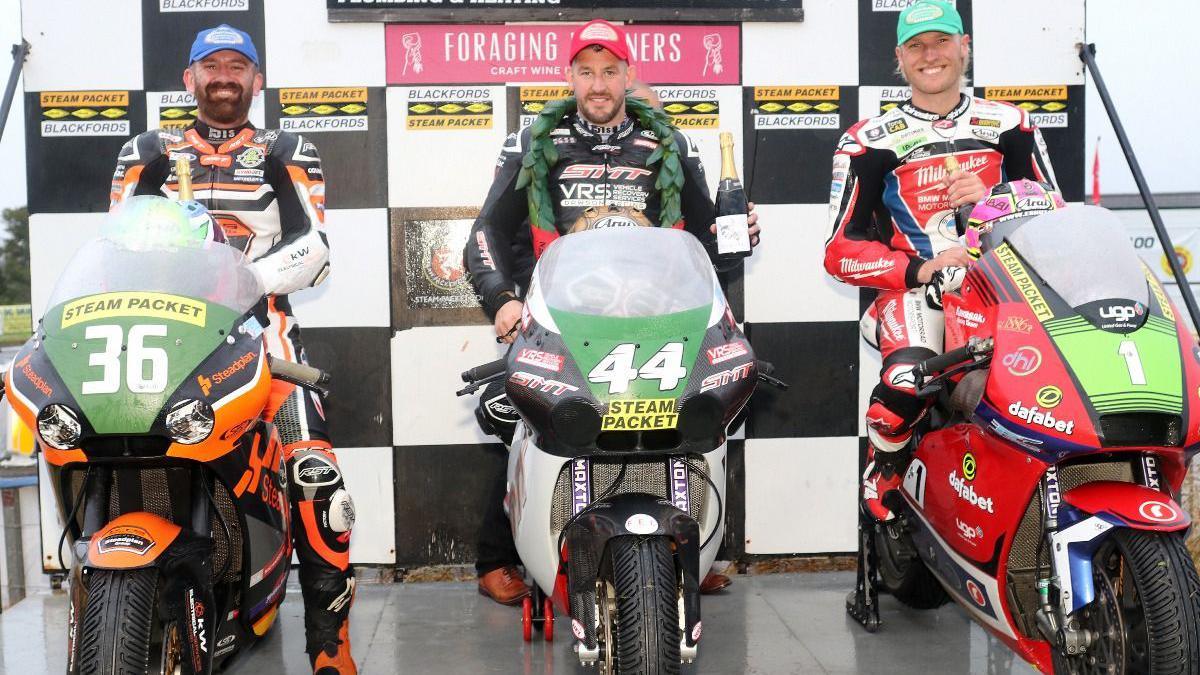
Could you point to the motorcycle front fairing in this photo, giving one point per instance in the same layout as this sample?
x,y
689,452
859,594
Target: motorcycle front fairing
x,y
132,334
1091,364
626,348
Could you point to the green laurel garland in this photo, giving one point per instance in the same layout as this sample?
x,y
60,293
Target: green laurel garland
x,y
542,155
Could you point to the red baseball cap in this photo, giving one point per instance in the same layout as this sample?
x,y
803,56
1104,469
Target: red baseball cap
x,y
602,33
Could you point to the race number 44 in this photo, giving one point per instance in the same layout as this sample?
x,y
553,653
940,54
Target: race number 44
x,y
618,371
139,358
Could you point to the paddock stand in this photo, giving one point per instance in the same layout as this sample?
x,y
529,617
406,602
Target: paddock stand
x,y
863,602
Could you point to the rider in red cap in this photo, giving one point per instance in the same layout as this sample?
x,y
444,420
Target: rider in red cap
x,y
602,174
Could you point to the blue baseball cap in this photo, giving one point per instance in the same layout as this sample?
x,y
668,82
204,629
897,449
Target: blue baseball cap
x,y
223,37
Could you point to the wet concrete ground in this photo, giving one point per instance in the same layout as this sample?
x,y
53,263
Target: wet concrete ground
x,y
769,624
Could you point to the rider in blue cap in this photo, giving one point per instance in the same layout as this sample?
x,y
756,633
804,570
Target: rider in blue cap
x,y
266,189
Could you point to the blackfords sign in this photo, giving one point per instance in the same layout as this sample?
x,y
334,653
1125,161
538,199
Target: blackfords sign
x,y
490,11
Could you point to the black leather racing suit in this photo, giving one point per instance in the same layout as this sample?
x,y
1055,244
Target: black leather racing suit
x,y
594,170
600,169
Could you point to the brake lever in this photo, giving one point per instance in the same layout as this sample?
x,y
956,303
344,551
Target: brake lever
x,y
774,382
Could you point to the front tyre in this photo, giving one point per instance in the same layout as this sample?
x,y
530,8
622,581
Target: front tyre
x,y
117,629
1147,608
644,627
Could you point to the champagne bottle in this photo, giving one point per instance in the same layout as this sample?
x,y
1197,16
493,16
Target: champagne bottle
x,y
183,173
733,235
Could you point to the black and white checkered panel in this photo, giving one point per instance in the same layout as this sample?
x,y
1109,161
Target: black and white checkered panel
x,y
407,167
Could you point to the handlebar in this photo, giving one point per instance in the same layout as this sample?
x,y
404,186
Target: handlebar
x,y
941,362
480,375
972,351
484,372
299,374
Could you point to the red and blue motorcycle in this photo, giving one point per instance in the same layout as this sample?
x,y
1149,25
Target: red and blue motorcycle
x,y
1043,493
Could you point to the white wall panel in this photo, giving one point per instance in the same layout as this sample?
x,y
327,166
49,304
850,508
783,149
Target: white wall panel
x,y
820,50
357,291
78,44
1002,30
801,495
785,278
424,408
367,473
53,239
303,49
442,167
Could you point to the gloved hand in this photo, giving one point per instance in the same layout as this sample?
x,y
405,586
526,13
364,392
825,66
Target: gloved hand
x,y
945,280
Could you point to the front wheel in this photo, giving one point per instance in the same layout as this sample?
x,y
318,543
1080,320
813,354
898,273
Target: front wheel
x,y
1146,615
639,598
117,629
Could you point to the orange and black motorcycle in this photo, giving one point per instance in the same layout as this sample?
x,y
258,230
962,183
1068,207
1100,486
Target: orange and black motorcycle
x,y
151,393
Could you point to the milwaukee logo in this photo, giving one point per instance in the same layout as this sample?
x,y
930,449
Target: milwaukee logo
x,y
934,173
893,325
857,269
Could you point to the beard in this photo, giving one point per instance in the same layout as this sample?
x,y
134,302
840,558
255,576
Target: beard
x,y
601,118
221,108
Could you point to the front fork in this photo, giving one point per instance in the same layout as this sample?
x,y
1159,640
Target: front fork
x,y
186,598
1073,538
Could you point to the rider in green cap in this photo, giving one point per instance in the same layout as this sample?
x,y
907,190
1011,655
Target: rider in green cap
x,y
928,15
897,180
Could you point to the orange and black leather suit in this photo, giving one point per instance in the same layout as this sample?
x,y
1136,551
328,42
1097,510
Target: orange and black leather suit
x,y
266,189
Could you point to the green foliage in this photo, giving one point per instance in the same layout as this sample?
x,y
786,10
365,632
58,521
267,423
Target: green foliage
x,y
542,155
14,258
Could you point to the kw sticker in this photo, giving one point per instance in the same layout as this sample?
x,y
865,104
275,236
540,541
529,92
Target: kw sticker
x,y
1033,297
636,415
154,305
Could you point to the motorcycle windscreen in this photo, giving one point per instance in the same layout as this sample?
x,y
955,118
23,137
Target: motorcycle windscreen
x,y
137,310
632,306
1124,353
628,272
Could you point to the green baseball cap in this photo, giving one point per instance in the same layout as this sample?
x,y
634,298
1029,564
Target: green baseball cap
x,y
928,15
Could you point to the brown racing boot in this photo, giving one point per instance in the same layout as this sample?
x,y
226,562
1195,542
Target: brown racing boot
x,y
714,582
504,585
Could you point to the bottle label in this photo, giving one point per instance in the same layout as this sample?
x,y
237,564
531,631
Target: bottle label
x,y
733,234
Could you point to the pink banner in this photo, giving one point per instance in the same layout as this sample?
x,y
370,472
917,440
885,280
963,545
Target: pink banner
x,y
496,54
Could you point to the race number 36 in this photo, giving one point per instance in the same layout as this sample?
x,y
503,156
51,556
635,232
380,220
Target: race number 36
x,y
618,371
139,360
